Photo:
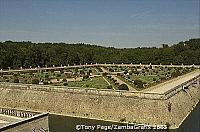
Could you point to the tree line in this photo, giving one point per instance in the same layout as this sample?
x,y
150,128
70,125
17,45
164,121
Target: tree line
x,y
26,54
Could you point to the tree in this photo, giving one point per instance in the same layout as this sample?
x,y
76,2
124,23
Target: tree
x,y
123,87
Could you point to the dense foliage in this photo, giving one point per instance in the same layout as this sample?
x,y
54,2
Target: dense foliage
x,y
26,54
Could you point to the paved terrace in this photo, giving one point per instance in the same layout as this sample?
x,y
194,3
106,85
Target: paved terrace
x,y
168,85
6,120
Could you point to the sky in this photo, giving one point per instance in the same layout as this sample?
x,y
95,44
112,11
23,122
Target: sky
x,y
110,23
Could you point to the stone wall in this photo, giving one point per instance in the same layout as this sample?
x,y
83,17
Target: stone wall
x,y
171,107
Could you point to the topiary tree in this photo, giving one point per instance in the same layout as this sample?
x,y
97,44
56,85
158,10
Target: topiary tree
x,y
123,87
35,81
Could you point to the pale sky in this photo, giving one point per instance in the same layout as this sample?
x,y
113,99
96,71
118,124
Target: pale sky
x,y
116,23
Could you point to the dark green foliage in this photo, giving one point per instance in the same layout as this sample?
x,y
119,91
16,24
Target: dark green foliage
x,y
123,87
125,72
65,84
85,77
105,73
16,80
64,80
26,54
45,83
109,87
82,72
118,74
35,81
139,83
176,73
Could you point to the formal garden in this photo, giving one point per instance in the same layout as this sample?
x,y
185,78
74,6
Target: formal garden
x,y
105,77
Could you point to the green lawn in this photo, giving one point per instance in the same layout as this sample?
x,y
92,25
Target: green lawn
x,y
96,82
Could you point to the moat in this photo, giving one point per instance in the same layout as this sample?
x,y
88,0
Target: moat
x,y
67,123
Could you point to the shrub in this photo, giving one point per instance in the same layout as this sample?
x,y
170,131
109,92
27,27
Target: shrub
x,y
16,80
58,75
82,72
116,83
109,87
162,78
85,76
90,71
65,84
35,81
45,82
105,73
64,80
118,74
125,72
114,80
46,76
87,85
139,83
109,76
123,87
15,75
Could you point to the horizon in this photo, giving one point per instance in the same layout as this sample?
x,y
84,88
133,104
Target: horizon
x,y
159,46
121,24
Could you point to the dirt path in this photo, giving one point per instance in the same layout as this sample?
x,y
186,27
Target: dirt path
x,y
119,80
164,87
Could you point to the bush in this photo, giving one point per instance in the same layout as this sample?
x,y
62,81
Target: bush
x,y
45,83
114,80
58,75
109,87
82,72
35,81
116,83
85,77
125,72
46,76
109,76
65,84
139,83
118,74
123,87
16,80
64,80
105,73
90,71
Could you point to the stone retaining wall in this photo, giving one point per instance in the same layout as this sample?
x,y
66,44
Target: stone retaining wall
x,y
152,108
